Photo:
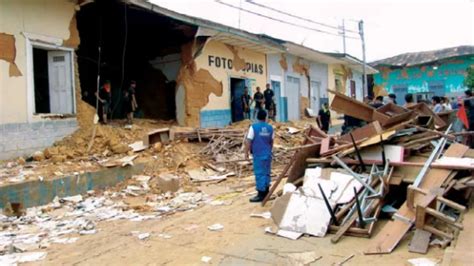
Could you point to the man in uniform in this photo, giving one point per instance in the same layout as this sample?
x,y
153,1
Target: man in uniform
x,y
260,142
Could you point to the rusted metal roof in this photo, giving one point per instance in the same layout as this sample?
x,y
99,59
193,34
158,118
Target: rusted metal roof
x,y
419,58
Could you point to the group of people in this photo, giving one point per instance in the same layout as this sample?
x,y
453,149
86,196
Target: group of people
x,y
263,101
104,100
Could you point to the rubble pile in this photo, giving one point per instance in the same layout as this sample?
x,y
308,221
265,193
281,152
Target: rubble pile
x,y
405,164
64,220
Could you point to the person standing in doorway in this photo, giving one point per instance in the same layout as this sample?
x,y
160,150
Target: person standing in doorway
x,y
105,98
246,103
130,102
259,101
324,118
269,95
260,143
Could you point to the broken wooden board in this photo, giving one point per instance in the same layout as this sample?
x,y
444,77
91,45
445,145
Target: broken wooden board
x,y
371,141
425,110
393,231
367,131
348,106
158,135
299,164
391,114
420,242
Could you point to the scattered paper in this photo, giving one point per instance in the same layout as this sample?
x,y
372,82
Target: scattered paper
x,y
138,146
422,262
216,227
165,236
206,259
143,236
264,215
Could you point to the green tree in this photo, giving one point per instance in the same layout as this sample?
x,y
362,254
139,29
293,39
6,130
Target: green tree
x,y
469,80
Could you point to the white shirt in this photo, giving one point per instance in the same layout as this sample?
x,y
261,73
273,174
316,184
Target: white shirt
x,y
251,134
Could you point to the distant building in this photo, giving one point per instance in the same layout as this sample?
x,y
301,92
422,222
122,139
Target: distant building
x,y
425,74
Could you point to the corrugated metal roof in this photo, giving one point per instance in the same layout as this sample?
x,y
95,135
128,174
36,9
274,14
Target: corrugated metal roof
x,y
419,58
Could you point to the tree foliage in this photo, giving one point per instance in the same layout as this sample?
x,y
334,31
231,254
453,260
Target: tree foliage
x,y
469,80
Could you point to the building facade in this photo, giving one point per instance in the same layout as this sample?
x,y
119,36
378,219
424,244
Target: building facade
x,y
50,65
37,74
425,74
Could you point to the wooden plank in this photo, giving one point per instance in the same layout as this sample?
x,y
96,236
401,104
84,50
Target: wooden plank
x,y
348,106
325,145
367,131
391,234
423,109
420,242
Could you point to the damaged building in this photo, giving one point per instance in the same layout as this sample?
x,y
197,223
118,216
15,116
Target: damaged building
x,y
425,74
187,69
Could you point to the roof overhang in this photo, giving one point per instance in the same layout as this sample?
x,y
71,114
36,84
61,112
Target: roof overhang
x,y
216,31
309,54
357,65
257,45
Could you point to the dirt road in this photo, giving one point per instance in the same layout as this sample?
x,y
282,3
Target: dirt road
x,y
242,241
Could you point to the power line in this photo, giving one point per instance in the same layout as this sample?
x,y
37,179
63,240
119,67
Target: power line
x,y
281,21
297,17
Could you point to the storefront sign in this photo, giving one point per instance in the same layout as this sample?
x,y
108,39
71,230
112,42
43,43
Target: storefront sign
x,y
226,63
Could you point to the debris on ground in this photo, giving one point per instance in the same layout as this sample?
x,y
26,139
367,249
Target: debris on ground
x,y
342,184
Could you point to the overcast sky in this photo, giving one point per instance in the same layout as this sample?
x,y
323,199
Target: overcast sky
x,y
391,27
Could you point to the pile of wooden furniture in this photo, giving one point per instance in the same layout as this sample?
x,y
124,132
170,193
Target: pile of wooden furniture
x,y
403,164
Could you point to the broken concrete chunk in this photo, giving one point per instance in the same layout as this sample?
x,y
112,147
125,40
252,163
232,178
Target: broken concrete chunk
x,y
120,148
58,158
38,156
157,147
168,182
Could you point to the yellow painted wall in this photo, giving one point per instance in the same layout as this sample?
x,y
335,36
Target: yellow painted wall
x,y
215,48
45,17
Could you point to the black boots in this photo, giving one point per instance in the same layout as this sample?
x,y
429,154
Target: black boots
x,y
260,196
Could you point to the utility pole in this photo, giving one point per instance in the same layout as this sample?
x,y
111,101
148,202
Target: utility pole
x,y
343,36
364,80
240,8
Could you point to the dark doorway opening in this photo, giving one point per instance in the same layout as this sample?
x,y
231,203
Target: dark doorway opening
x,y
135,44
237,88
41,81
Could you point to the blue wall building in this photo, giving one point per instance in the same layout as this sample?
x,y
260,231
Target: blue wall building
x,y
425,74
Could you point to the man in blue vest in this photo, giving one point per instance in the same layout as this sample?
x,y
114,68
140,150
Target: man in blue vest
x,y
260,142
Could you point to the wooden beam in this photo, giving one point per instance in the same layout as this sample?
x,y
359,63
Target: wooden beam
x,y
349,106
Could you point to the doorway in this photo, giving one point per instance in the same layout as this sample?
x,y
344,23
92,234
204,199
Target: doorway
x,y
293,95
315,95
237,88
52,79
276,86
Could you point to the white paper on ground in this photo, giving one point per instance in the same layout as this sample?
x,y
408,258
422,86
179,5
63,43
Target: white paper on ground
x,y
215,227
289,234
264,215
